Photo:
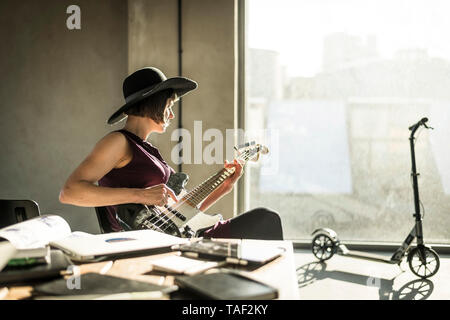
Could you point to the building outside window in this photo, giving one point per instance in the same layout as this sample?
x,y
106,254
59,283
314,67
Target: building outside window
x,y
334,86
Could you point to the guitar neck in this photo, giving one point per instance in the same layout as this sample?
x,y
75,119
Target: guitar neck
x,y
204,189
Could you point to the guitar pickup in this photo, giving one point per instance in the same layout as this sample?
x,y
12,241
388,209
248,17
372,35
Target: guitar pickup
x,y
176,213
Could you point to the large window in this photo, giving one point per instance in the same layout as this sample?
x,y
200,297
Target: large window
x,y
335,85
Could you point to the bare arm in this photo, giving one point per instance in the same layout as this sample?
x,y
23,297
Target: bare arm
x,y
80,188
215,196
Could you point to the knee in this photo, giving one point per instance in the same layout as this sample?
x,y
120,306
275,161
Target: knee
x,y
270,221
268,214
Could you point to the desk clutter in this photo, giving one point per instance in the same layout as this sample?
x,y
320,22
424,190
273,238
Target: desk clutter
x,y
95,286
33,270
246,254
226,286
41,252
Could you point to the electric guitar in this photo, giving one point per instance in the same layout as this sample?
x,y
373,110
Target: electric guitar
x,y
183,218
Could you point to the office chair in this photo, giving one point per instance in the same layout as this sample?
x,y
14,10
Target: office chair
x,y
15,211
105,226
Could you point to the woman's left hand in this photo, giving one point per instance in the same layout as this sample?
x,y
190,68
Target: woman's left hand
x,y
226,186
229,183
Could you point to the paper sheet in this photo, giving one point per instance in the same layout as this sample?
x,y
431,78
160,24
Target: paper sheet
x,y
36,232
7,251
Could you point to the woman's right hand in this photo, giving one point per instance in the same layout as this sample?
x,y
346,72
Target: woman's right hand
x,y
157,195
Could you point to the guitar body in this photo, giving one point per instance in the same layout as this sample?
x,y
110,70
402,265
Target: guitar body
x,y
192,219
184,221
195,219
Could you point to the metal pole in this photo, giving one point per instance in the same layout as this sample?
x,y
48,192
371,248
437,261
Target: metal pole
x,y
180,72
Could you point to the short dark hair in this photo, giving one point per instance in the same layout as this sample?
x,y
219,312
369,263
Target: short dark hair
x,y
153,106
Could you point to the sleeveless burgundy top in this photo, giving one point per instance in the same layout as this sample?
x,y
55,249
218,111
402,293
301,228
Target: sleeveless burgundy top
x,y
147,168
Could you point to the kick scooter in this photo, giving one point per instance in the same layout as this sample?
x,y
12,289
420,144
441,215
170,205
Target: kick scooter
x,y
423,260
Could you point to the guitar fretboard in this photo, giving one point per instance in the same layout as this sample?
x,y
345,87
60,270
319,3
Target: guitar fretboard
x,y
199,193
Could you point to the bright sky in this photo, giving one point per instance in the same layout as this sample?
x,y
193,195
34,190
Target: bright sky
x,y
296,28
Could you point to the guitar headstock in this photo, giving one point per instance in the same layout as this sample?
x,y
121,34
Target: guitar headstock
x,y
250,151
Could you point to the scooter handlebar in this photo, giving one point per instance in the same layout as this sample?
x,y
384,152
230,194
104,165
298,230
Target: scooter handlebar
x,y
418,124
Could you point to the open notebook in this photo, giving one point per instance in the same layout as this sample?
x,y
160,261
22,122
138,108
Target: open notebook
x,y
53,230
115,245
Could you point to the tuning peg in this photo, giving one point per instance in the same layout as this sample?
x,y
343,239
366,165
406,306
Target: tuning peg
x,y
264,150
245,145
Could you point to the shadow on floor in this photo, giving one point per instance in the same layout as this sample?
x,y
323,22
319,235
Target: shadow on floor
x,y
419,289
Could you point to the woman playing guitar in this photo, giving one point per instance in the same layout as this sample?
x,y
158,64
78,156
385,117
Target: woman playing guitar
x,y
128,169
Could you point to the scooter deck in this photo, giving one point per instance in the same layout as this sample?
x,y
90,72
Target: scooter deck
x,y
370,256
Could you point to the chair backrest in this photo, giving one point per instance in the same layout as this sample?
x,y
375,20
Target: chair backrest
x,y
105,226
15,211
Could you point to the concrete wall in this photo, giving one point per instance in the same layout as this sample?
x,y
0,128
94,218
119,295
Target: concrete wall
x,y
209,57
59,86
57,89
153,41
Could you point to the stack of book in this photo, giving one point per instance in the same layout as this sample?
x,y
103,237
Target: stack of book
x,y
30,257
25,253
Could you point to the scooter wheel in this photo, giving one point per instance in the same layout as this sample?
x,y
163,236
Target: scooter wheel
x,y
423,262
323,247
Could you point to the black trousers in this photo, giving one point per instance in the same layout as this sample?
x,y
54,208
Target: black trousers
x,y
259,223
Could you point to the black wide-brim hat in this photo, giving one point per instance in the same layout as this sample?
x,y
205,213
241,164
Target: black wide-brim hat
x,y
147,81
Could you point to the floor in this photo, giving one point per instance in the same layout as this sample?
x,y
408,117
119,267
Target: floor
x,y
342,278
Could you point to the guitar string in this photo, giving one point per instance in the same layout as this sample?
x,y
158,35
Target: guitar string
x,y
163,216
207,187
203,190
195,194
191,195
220,177
204,185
